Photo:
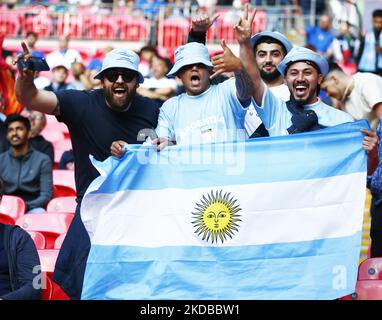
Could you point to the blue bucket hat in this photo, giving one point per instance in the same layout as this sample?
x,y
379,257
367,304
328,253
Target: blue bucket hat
x,y
305,55
275,35
190,53
120,58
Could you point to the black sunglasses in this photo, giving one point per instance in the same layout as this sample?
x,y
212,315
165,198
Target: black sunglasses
x,y
113,75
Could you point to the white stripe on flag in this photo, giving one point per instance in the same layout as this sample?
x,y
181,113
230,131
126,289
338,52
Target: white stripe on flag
x,y
280,212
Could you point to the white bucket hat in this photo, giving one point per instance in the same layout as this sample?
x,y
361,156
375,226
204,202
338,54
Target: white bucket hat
x,y
120,58
190,53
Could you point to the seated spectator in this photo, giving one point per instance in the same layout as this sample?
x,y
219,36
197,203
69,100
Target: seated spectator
x,y
321,37
37,141
146,55
59,75
81,80
67,161
30,41
68,56
345,45
27,173
19,263
158,87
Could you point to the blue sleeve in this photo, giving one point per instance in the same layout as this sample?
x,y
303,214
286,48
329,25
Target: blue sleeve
x,y
270,109
165,127
228,89
28,269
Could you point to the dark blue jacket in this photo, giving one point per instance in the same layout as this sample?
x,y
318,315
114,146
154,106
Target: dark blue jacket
x,y
23,262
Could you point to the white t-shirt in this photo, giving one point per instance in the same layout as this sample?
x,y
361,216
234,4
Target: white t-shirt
x,y
366,94
67,58
153,83
252,119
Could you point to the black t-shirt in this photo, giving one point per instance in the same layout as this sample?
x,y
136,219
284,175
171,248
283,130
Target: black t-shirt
x,y
93,126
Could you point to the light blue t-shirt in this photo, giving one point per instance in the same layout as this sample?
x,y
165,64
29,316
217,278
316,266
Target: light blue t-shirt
x,y
277,118
213,116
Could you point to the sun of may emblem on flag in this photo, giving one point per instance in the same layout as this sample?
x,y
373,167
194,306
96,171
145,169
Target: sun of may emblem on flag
x,y
216,216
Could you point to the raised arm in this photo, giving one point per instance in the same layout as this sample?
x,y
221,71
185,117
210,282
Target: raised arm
x,y
27,93
199,27
243,32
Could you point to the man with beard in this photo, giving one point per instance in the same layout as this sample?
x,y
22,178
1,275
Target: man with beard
x,y
205,113
95,119
304,71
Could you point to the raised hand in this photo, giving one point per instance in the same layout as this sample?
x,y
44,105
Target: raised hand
x,y
201,23
225,62
24,57
243,29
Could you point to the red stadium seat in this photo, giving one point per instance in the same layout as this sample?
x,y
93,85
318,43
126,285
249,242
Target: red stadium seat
x,y
12,206
53,291
59,241
100,28
51,225
4,218
64,178
133,28
63,191
70,24
53,135
38,239
62,204
368,290
41,23
60,147
48,258
172,33
370,269
225,23
9,24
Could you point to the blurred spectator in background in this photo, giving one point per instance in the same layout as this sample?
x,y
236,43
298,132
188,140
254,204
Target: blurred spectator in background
x,y
59,75
96,62
345,46
81,80
41,81
370,58
95,66
307,9
8,101
345,10
36,140
30,40
67,160
27,173
68,56
150,8
158,87
146,55
321,37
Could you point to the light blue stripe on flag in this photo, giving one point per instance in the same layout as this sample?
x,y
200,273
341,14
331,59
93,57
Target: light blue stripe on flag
x,y
140,215
322,269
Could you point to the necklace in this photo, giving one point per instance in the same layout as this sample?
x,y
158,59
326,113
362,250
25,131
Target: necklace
x,y
347,92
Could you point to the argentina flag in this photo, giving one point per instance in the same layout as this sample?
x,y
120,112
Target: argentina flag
x,y
268,218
